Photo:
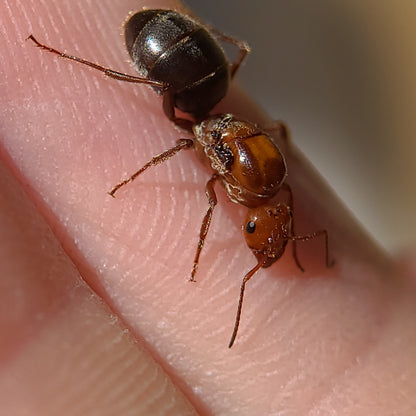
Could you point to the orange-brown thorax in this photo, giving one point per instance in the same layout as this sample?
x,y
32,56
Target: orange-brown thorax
x,y
249,163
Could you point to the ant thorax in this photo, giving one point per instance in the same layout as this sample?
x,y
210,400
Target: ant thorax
x,y
250,165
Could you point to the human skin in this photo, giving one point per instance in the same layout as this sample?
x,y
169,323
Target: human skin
x,y
97,315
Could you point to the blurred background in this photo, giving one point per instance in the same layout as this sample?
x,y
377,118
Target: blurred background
x,y
343,76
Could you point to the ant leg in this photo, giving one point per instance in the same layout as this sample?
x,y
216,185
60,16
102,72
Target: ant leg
x,y
314,235
287,188
247,277
212,200
168,96
242,46
280,129
107,71
183,144
169,110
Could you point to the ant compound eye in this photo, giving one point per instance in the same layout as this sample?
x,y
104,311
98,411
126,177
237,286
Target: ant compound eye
x,y
251,227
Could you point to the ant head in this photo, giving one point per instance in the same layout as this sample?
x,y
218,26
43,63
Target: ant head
x,y
267,230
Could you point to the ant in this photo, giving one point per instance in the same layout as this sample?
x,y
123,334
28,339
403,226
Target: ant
x,y
178,57
181,59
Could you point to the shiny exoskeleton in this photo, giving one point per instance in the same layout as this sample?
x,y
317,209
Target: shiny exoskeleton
x,y
249,164
182,60
252,169
177,56
268,228
179,52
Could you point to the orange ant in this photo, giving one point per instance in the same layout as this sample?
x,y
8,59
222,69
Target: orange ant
x,y
252,170
181,59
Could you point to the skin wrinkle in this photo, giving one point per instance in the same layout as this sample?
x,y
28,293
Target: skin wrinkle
x,y
271,353
53,309
361,354
359,362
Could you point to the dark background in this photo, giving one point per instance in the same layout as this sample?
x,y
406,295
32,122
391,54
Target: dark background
x,y
342,75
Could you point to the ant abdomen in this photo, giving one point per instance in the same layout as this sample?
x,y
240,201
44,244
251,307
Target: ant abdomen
x,y
171,48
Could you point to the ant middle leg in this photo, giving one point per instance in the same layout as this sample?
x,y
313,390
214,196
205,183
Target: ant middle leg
x,y
280,129
162,157
307,237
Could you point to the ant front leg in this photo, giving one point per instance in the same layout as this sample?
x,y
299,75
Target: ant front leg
x,y
329,263
291,204
206,222
183,144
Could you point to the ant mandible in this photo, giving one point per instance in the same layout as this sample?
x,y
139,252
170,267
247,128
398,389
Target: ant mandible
x,y
180,59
